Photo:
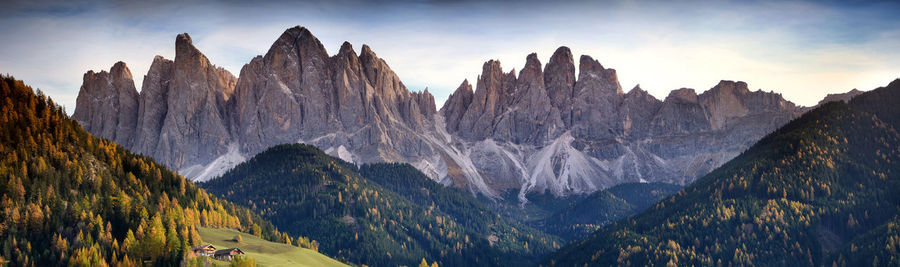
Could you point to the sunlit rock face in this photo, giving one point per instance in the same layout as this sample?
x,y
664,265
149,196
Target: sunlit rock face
x,y
108,103
201,120
351,105
543,129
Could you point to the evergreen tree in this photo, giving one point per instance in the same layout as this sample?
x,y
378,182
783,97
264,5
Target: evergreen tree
x,y
69,198
822,190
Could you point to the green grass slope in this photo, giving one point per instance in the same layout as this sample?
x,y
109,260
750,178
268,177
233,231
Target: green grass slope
x,y
822,190
266,253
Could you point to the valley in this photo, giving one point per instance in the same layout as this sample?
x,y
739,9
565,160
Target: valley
x,y
482,133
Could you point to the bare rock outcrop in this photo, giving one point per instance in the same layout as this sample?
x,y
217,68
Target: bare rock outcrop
x,y
353,106
548,131
846,96
543,129
107,104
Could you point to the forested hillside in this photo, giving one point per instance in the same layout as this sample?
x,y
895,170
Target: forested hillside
x,y
822,190
398,217
466,210
68,198
582,217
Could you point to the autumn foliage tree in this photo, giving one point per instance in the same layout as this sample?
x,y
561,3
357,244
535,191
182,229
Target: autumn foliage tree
x,y
68,198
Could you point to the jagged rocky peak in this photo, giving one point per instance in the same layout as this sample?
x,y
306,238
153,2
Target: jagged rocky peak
x,y
154,107
191,57
593,75
179,117
120,72
302,39
107,104
193,94
561,67
495,83
386,83
636,91
732,87
845,97
594,111
637,112
493,93
184,46
589,67
687,95
638,97
532,75
724,101
366,50
425,102
456,105
350,105
538,130
559,77
346,49
200,119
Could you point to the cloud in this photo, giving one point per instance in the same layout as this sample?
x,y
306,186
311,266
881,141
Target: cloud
x,y
801,49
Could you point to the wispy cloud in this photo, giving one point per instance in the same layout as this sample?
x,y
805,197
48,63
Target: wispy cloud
x,y
802,49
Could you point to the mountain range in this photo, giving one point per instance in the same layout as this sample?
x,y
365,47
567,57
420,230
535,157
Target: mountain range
x,y
822,190
542,130
337,149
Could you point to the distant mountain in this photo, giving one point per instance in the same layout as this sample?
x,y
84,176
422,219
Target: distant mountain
x,y
547,130
541,131
822,190
69,198
200,119
396,217
845,97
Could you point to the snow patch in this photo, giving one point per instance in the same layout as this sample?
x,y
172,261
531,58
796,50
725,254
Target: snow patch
x,y
344,154
341,152
222,164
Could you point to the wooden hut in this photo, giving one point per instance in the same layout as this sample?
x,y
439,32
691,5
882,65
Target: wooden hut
x,y
204,250
228,254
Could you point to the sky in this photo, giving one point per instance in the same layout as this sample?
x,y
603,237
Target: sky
x,y
801,49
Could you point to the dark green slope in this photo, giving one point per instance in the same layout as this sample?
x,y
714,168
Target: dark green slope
x,y
466,210
68,198
304,191
600,208
822,190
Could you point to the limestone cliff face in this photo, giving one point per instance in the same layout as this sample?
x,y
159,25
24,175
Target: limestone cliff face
x,y
457,105
541,129
547,131
179,118
846,96
107,104
353,106
154,105
201,120
194,126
